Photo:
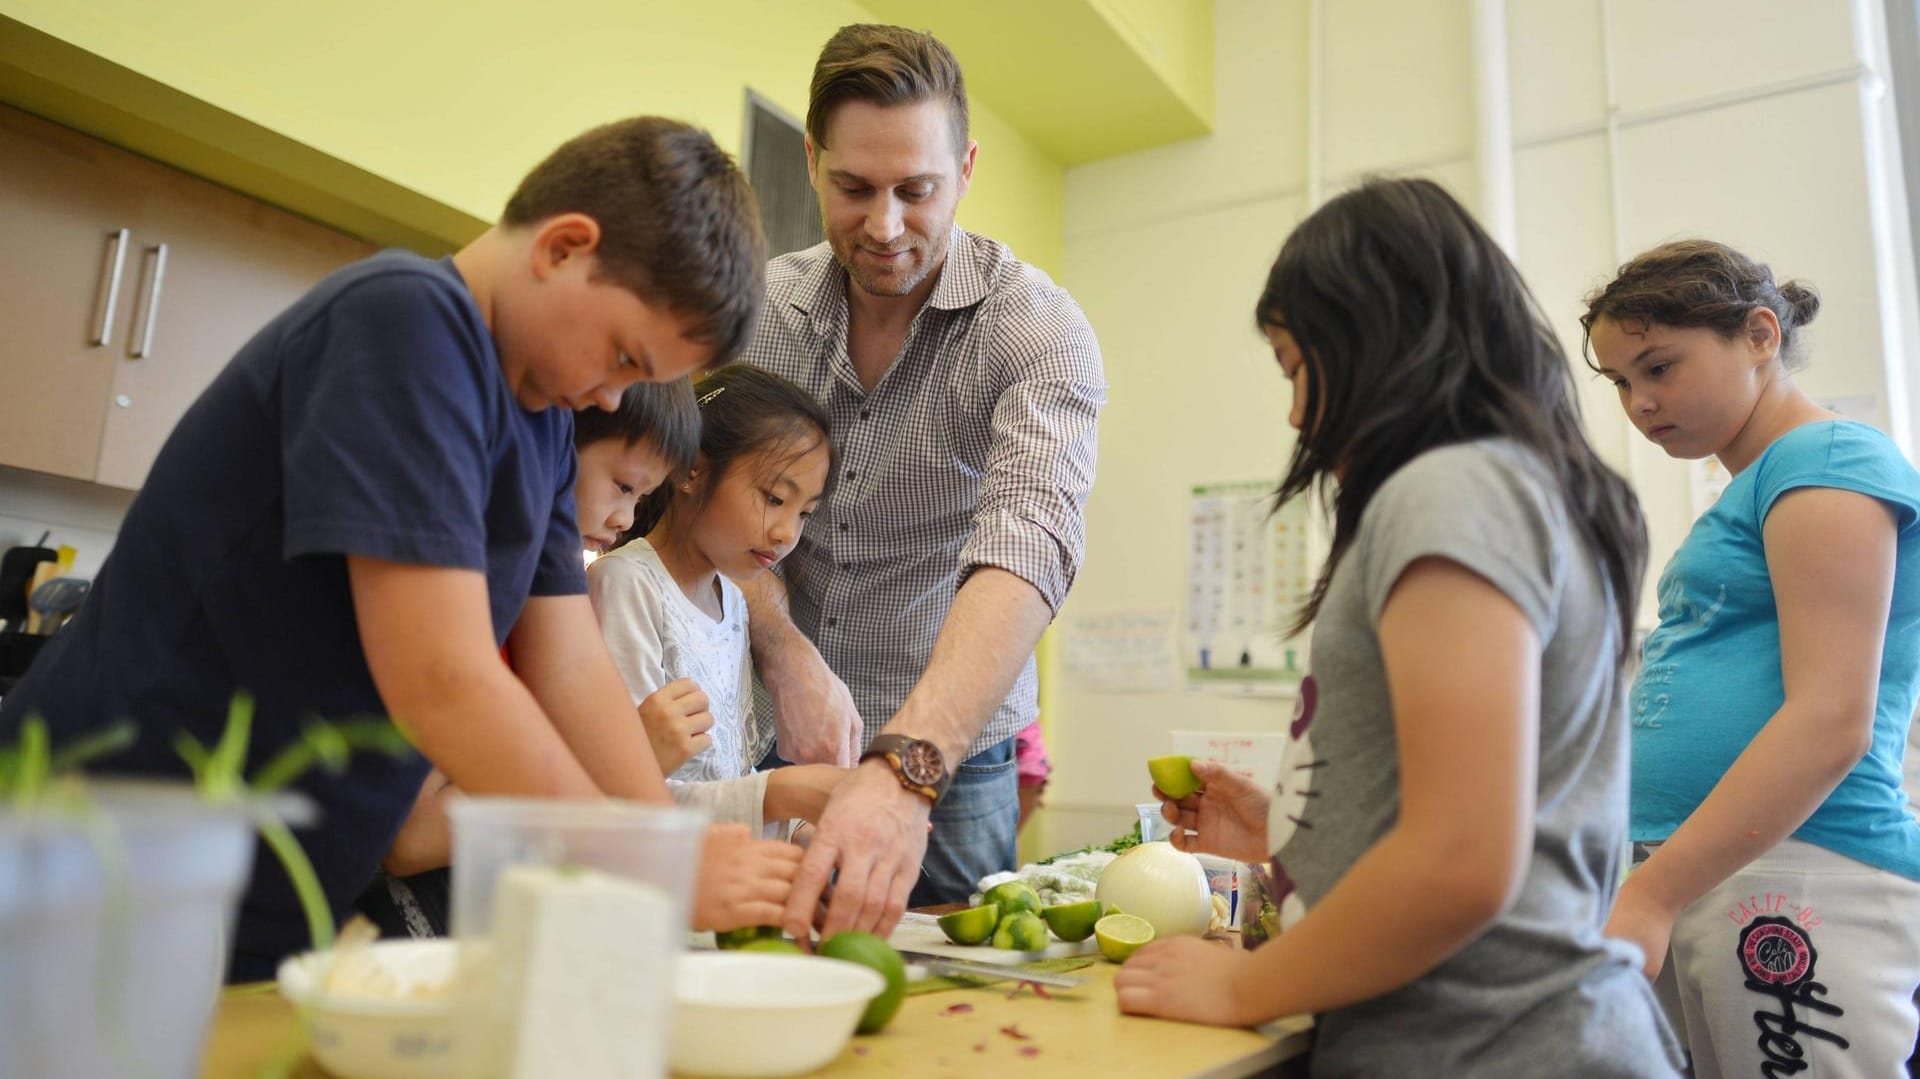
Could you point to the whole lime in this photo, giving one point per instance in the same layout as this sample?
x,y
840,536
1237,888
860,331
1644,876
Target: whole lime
x,y
772,944
1012,897
731,939
876,954
1023,931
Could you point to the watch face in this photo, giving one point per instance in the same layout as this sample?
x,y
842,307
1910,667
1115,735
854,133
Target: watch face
x,y
921,763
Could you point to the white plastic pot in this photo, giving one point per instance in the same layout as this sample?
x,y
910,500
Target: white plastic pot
x,y
113,922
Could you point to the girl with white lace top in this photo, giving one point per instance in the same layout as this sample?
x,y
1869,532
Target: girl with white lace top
x,y
673,616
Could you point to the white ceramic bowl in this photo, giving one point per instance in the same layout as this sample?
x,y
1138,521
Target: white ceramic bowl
x,y
755,1015
356,1037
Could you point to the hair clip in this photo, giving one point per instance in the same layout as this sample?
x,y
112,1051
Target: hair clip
x,y
708,397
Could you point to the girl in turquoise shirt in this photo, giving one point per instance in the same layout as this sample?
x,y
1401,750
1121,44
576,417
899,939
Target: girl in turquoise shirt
x,y
1779,907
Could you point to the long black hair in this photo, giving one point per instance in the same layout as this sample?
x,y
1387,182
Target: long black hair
x,y
745,413
1418,333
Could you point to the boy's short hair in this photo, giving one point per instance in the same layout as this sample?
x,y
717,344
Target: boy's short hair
x,y
663,413
679,226
885,65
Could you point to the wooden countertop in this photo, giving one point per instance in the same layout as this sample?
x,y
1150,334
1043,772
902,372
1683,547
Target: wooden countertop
x,y
1078,1032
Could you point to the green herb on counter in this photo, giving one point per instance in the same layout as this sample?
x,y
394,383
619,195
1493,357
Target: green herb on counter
x,y
1121,845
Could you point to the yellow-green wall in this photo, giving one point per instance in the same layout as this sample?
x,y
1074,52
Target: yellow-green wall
x,y
455,101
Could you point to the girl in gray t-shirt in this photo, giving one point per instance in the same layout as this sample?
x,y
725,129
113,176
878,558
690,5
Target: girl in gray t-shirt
x,y
1451,816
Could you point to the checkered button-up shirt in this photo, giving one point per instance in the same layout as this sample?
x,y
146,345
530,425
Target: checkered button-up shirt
x,y
976,448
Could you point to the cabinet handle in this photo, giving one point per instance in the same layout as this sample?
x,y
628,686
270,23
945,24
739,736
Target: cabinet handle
x,y
109,291
153,302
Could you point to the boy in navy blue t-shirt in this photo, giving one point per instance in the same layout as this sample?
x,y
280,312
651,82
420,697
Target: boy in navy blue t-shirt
x,y
376,494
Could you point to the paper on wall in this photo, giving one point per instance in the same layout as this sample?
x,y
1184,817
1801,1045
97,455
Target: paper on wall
x,y
1253,755
1121,651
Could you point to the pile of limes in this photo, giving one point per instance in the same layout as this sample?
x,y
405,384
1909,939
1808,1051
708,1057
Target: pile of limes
x,y
1010,916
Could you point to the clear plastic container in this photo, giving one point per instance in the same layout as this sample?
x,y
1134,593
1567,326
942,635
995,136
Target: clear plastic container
x,y
1153,826
610,985
113,921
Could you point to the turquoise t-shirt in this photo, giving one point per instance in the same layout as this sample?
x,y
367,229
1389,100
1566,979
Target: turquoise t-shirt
x,y
1710,678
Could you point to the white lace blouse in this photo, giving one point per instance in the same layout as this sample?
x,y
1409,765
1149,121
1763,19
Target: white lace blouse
x,y
657,635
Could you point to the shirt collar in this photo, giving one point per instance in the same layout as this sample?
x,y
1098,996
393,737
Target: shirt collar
x,y
823,296
961,283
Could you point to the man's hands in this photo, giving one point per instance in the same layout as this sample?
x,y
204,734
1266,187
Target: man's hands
x,y
813,712
812,709
875,833
677,720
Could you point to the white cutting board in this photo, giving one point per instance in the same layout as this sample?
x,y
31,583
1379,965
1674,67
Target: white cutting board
x,y
921,933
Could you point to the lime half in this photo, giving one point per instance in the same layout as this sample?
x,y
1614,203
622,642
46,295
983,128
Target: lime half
x,y
1120,935
1073,921
1173,775
975,925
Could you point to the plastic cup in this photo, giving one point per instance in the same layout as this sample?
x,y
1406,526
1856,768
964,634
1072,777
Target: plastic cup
x,y
601,995
113,924
1153,826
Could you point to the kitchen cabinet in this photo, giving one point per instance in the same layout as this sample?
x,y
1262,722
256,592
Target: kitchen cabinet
x,y
125,286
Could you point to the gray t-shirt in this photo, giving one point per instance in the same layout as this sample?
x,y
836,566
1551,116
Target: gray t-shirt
x,y
1541,992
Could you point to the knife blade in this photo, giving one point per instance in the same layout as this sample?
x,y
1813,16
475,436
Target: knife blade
x,y
939,964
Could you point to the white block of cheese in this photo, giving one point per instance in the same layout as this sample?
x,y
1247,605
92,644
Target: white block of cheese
x,y
585,965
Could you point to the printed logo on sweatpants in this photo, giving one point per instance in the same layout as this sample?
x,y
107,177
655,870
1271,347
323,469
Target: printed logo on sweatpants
x,y
1778,957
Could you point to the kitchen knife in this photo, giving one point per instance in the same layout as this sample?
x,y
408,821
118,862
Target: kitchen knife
x,y
939,964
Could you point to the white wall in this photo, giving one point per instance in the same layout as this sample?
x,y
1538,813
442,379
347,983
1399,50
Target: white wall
x,y
84,516
1744,120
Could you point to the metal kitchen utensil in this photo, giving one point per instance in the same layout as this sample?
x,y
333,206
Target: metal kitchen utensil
x,y
55,601
938,964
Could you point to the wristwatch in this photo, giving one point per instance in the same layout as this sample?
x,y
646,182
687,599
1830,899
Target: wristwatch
x,y
917,763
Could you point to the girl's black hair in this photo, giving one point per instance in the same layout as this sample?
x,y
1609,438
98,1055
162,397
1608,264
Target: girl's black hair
x,y
662,413
745,412
1418,333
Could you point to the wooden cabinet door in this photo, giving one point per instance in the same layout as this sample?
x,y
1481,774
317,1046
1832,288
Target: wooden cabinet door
x,y
64,211
209,268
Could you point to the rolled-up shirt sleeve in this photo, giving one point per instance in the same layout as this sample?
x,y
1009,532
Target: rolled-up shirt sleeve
x,y
1031,516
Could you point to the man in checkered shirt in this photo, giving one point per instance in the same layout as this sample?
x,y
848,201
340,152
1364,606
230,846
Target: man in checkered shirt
x,y
964,386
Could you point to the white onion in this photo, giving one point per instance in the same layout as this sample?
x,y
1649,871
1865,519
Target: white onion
x,y
1165,886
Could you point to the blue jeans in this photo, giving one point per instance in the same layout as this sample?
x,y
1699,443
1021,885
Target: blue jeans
x,y
973,828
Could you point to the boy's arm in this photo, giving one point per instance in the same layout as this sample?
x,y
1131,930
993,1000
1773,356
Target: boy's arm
x,y
558,653
426,634
425,840
815,715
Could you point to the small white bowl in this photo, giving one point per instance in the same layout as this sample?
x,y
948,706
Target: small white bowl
x,y
357,1037
753,1015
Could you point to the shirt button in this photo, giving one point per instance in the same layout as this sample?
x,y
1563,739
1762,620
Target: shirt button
x,y
852,475
844,526
832,622
865,415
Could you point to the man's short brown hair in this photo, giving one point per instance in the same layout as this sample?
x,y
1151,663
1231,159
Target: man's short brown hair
x,y
885,65
679,226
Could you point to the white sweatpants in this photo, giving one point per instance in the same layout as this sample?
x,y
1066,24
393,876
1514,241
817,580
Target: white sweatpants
x,y
1805,963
